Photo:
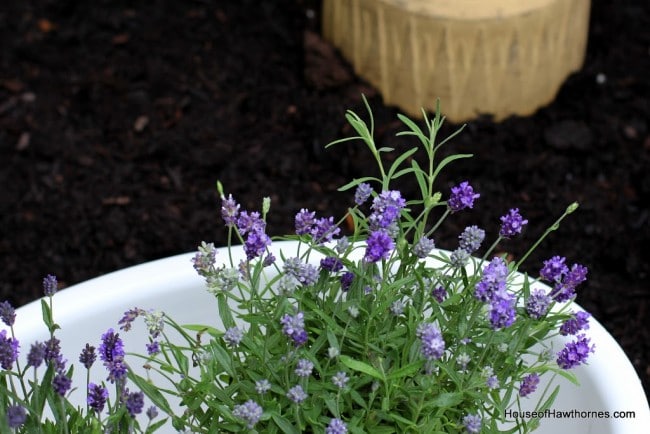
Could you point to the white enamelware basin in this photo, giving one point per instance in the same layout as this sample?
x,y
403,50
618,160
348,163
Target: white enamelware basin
x,y
85,311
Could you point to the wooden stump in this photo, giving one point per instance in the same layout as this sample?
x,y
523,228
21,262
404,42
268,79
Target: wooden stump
x,y
498,57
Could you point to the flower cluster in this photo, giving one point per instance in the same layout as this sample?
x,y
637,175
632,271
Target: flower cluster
x,y
564,280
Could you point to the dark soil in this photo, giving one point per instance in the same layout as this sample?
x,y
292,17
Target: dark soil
x,y
117,118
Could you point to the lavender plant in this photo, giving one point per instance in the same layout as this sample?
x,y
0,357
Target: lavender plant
x,y
375,331
35,398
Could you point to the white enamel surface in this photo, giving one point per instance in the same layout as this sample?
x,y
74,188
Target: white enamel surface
x,y
85,311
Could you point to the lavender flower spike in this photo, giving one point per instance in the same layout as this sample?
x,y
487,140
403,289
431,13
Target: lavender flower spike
x,y
135,403
472,423
471,238
538,303
336,426
294,328
432,344
50,285
379,246
16,416
7,313
8,350
87,356
97,396
250,412
61,383
462,196
575,353
528,385
304,221
512,224
297,394
111,352
423,247
578,321
362,193
229,210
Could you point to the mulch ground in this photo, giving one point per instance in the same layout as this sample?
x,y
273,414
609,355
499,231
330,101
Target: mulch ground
x,y
118,117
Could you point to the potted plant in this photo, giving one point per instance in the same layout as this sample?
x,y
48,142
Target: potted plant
x,y
497,57
373,331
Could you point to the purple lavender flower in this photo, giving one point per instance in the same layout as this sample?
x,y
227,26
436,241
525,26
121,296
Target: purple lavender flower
x,y
87,356
336,426
538,303
256,244
565,289
250,222
492,382
459,258
379,246
297,394
362,193
7,313
268,260
462,196
331,263
61,383
340,379
308,274
134,403
576,276
153,348
111,352
432,344
528,384
575,353
472,423
554,269
423,247
36,354
52,353
578,321
97,397
471,238
294,328
346,280
112,347
8,350
439,293
324,230
292,266
229,210
233,336
132,314
502,310
16,416
304,368
493,279
262,386
386,208
50,285
512,223
304,221
250,412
